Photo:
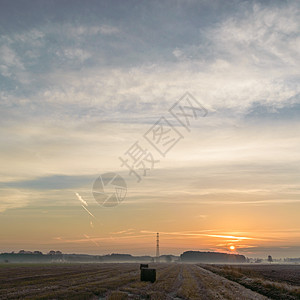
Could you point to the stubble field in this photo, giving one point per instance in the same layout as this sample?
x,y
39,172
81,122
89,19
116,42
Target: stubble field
x,y
174,281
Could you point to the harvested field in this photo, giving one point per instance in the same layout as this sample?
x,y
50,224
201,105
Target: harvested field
x,y
289,274
273,281
120,281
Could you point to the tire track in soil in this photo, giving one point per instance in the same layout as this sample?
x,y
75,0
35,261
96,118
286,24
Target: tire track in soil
x,y
164,282
176,286
225,288
202,288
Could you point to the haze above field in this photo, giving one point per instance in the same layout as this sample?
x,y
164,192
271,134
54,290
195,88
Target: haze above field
x,y
81,82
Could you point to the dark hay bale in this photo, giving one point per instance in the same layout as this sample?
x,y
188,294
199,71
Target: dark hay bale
x,y
143,266
148,274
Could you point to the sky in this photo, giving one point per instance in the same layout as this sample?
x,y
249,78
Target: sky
x,y
83,82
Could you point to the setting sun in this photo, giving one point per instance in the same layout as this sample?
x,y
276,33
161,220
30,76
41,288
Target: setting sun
x,y
232,248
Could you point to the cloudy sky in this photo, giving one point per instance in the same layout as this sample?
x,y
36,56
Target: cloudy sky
x,y
82,82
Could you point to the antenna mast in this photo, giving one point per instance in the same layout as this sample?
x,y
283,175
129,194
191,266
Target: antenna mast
x,y
157,247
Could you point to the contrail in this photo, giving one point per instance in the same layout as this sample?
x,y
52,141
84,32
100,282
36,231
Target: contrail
x,y
88,211
81,200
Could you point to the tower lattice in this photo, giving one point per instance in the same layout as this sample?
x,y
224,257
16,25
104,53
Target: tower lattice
x,y
157,247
